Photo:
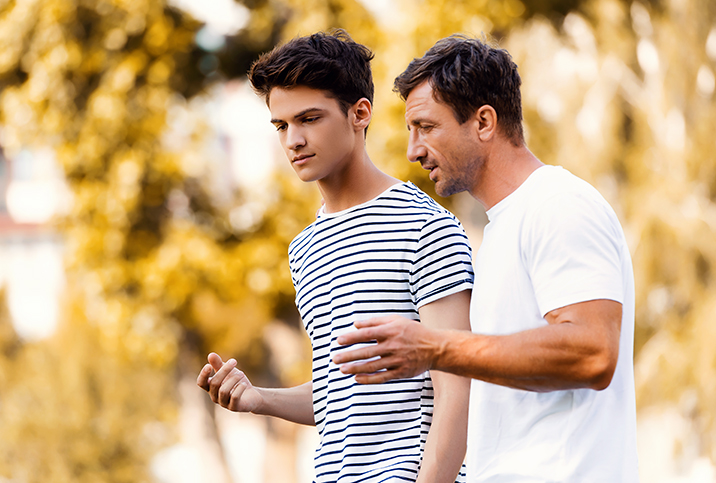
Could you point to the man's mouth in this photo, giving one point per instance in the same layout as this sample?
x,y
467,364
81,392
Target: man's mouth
x,y
430,168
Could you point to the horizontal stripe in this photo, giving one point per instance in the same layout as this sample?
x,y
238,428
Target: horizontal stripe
x,y
384,257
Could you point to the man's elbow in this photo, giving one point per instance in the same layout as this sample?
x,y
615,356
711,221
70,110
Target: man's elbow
x,y
601,370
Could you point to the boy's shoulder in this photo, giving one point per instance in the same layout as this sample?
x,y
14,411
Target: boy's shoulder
x,y
403,202
427,205
407,197
401,199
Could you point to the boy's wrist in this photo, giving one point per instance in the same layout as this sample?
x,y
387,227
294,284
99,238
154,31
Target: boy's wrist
x,y
261,408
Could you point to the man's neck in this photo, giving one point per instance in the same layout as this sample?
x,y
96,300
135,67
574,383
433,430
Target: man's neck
x,y
359,181
505,171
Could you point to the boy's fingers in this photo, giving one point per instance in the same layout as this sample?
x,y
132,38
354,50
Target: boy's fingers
x,y
204,377
215,361
218,378
227,388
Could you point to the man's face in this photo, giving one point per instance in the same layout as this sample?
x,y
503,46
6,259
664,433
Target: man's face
x,y
448,149
313,130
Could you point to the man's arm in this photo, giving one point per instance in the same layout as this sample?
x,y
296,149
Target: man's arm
x,y
231,389
578,348
446,443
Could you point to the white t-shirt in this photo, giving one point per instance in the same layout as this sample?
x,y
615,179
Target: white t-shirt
x,y
390,255
553,242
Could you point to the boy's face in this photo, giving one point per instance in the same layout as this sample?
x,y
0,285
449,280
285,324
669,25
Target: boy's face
x,y
316,136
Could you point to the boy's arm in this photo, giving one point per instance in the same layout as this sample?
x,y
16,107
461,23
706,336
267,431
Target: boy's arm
x,y
445,447
231,389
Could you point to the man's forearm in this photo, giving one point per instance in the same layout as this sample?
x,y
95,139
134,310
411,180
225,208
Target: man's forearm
x,y
554,357
577,348
293,404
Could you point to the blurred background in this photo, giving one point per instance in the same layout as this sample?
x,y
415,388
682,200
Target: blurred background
x,y
146,209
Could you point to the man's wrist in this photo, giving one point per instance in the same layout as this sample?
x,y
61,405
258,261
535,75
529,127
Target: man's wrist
x,y
440,349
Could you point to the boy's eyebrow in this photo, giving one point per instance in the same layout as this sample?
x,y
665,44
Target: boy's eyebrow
x,y
302,113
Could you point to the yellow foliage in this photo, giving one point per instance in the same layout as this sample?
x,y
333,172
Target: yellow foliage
x,y
76,412
607,93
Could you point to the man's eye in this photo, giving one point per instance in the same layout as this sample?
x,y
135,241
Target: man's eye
x,y
310,119
281,127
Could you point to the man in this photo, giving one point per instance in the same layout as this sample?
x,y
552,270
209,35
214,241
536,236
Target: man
x,y
378,247
552,308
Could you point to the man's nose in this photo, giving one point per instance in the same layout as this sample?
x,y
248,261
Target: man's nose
x,y
416,149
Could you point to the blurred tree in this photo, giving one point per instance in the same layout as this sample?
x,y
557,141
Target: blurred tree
x,y
71,411
159,275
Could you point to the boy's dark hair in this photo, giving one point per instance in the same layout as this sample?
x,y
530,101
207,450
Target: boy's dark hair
x,y
331,62
466,74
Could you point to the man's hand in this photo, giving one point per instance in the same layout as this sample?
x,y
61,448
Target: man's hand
x,y
228,387
405,349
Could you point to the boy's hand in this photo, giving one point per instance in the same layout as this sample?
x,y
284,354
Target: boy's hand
x,y
228,386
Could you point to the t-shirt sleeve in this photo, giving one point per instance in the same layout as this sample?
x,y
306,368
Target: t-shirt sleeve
x,y
572,248
443,260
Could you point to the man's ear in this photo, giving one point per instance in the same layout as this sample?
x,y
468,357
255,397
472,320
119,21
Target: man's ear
x,y
363,112
486,122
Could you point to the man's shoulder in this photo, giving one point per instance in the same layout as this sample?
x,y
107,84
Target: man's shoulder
x,y
557,188
566,206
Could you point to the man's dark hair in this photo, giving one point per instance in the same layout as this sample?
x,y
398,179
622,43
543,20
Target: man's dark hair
x,y
467,74
331,62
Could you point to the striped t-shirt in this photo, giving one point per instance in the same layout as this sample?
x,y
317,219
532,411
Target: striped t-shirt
x,y
390,255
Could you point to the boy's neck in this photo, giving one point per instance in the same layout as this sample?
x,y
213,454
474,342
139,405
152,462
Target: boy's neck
x,y
358,182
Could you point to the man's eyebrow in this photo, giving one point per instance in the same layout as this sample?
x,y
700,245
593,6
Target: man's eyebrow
x,y
417,122
300,114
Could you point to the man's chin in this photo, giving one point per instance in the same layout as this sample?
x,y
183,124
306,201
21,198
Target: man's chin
x,y
444,189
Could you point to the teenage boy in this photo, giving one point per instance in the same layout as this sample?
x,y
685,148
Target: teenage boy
x,y
378,247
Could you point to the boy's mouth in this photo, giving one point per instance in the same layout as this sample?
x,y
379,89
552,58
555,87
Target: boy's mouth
x,y
301,157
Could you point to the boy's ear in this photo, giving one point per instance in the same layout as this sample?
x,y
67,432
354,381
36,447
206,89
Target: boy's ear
x,y
363,112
